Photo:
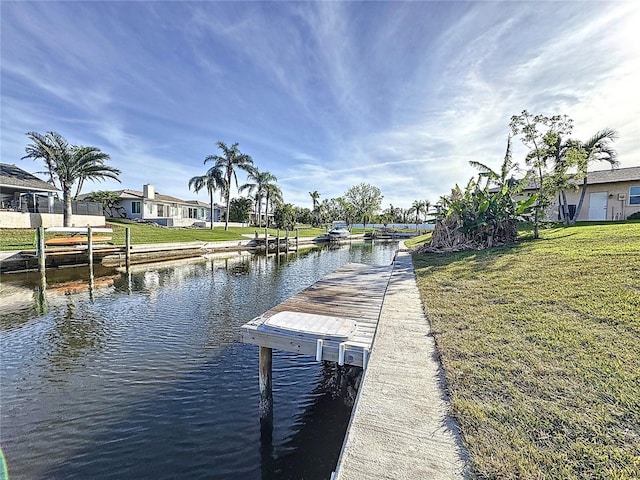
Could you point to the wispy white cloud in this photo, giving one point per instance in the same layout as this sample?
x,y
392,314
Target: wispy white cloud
x,y
324,95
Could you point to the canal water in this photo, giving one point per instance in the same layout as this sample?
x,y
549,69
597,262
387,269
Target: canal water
x,y
144,376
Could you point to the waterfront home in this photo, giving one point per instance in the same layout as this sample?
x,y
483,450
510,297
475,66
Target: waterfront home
x,y
27,201
164,209
612,194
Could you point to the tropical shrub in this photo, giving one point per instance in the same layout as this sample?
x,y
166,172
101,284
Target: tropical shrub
x,y
484,214
240,209
284,216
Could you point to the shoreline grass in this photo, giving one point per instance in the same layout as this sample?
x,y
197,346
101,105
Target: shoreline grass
x,y
540,344
24,239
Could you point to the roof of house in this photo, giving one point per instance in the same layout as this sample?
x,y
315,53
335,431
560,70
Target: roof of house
x,y
200,203
128,194
628,174
138,195
12,176
611,175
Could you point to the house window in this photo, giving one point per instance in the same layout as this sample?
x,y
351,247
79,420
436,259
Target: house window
x,y
193,213
634,195
161,209
149,208
135,207
202,213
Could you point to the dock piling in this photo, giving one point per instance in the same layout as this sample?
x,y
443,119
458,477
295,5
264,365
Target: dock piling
x,y
90,261
90,247
266,392
319,345
127,247
40,249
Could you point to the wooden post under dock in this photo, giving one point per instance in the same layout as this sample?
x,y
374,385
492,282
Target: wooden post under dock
x,y
266,391
334,319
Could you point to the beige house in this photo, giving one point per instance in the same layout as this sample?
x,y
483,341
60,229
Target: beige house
x,y
611,194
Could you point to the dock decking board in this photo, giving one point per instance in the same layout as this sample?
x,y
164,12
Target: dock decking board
x,y
354,292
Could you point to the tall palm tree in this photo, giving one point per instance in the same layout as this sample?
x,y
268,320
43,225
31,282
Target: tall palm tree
x,y
315,199
258,181
597,148
274,198
68,164
419,207
230,160
212,181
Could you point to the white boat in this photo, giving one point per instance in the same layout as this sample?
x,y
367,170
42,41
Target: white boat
x,y
338,233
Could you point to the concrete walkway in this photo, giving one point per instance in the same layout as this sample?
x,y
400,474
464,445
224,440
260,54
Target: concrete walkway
x,y
400,428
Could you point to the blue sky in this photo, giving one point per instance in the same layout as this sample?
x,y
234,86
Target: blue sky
x,y
324,95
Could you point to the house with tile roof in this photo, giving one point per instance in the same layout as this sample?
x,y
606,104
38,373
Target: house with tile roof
x,y
612,194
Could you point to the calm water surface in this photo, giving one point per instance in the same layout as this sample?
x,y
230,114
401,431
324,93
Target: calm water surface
x,y
144,376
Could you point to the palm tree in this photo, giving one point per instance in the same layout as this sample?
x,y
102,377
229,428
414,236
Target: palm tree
x,y
274,198
260,181
212,180
597,148
504,178
68,164
315,199
228,162
427,207
419,207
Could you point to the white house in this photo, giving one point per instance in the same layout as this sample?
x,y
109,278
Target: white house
x,y
164,209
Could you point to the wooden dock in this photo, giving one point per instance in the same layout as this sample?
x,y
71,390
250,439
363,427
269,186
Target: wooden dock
x,y
401,427
334,319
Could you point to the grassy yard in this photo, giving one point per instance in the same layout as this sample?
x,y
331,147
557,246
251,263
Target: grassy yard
x,y
17,239
419,240
540,343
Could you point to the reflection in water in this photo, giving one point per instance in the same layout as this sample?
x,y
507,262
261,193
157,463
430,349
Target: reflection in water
x,y
143,375
318,430
92,285
39,294
75,334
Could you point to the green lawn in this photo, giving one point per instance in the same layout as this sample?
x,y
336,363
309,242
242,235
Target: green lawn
x,y
540,344
418,241
17,239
